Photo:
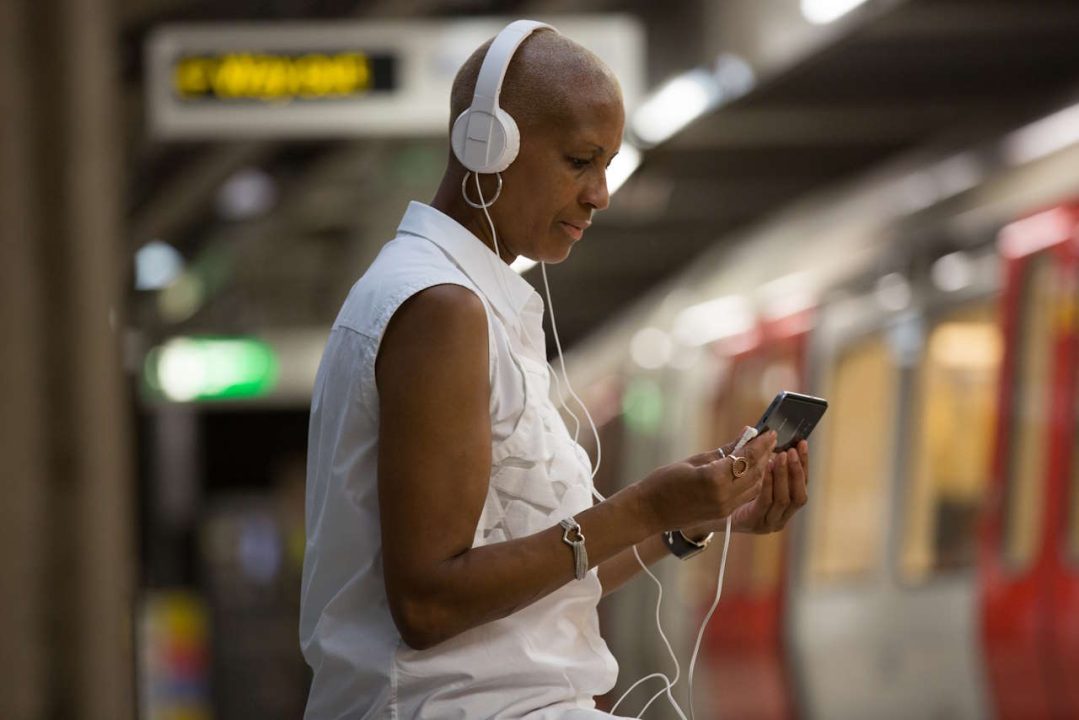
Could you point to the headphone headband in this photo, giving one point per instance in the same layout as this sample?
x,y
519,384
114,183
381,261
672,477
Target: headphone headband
x,y
497,61
485,137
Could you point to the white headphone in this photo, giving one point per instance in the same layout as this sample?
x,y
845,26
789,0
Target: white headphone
x,y
484,137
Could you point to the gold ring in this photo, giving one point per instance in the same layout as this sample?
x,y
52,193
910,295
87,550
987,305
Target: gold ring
x,y
734,466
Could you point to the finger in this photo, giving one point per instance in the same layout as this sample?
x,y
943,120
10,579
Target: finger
x,y
796,479
760,447
764,500
796,483
803,453
708,456
780,493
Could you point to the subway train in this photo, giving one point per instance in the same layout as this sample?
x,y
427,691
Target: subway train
x,y
934,572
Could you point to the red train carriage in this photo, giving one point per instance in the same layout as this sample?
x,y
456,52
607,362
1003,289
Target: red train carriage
x,y
1030,545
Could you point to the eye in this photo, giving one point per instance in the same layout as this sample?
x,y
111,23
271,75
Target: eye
x,y
579,163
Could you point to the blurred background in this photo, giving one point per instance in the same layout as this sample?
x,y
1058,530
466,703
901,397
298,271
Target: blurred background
x,y
875,201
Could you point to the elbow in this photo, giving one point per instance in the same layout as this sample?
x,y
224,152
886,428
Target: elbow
x,y
420,624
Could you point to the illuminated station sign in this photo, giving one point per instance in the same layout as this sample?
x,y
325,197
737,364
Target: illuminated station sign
x,y
345,79
281,77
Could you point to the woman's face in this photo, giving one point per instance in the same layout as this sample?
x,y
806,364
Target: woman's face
x,y
558,180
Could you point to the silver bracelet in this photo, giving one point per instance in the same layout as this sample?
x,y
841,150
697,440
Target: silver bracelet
x,y
580,555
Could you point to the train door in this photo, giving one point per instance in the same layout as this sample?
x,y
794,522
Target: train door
x,y
838,601
743,666
885,605
944,478
1028,577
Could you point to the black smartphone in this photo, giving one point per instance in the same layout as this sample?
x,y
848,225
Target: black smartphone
x,y
793,416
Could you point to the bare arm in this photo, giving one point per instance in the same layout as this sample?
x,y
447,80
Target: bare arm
x,y
434,470
623,567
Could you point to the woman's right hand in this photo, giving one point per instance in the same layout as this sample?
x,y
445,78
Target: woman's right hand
x,y
703,488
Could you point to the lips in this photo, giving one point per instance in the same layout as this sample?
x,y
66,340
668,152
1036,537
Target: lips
x,y
575,230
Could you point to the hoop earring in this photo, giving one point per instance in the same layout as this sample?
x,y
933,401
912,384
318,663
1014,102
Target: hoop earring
x,y
480,205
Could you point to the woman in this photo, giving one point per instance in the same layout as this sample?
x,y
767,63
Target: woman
x,y
454,556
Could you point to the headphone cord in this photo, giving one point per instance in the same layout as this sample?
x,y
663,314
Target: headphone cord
x,y
669,683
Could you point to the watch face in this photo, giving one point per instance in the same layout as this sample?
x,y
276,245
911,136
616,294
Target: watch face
x,y
681,546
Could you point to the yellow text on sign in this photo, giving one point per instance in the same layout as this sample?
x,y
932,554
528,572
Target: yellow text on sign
x,y
251,76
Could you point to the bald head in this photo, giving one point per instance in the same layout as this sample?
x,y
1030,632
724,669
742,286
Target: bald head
x,y
548,74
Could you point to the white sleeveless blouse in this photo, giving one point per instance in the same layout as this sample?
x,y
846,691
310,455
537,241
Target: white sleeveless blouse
x,y
547,660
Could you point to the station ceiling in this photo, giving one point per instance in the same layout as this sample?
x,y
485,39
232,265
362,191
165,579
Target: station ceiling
x,y
896,76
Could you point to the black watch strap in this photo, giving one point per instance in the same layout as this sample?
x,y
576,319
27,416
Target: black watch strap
x,y
682,547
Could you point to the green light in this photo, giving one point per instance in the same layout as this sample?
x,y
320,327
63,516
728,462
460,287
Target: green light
x,y
642,405
185,369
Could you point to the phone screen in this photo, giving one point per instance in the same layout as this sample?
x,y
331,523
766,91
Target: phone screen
x,y
793,416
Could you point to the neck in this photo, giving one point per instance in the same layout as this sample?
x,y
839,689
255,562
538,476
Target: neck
x,y
448,200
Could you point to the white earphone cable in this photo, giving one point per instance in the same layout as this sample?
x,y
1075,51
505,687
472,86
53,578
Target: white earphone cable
x,y
563,404
565,376
668,682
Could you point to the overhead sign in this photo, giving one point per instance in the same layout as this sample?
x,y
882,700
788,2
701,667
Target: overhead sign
x,y
343,79
238,77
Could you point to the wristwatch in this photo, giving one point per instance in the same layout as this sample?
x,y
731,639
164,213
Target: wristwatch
x,y
683,547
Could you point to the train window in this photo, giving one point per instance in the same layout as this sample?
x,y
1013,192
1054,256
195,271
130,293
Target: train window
x,y
952,434
1028,425
848,526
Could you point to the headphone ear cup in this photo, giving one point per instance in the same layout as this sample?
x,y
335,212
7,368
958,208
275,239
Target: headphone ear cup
x,y
511,143
485,143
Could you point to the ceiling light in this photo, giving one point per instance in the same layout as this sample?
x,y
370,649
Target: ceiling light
x,y
1044,137
674,105
651,348
248,193
182,298
733,76
952,272
622,166
157,265
822,12
893,292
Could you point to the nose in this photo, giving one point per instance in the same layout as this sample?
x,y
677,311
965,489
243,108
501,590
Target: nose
x,y
595,194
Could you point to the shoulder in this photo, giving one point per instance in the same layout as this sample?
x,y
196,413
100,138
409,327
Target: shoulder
x,y
445,316
404,267
435,347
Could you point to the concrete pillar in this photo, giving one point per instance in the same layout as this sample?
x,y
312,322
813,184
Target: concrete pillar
x,y
66,536
23,466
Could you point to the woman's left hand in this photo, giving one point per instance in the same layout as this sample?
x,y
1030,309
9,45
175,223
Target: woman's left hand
x,y
784,490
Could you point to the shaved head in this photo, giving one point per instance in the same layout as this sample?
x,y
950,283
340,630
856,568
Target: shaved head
x,y
568,108
548,74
